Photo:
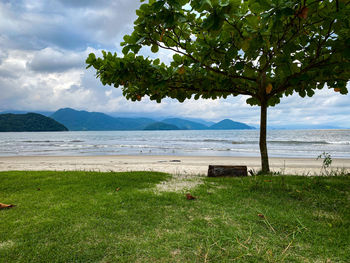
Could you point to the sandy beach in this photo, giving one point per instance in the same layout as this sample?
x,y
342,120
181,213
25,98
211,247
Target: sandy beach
x,y
170,164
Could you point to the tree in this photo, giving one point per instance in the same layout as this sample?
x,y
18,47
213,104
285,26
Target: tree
x,y
265,49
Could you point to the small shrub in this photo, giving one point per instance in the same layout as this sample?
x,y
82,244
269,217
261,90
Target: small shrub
x,y
326,163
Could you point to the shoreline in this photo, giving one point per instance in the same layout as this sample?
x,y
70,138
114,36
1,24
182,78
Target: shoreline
x,y
190,165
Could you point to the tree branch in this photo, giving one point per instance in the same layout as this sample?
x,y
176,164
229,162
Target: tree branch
x,y
222,91
284,85
235,27
198,61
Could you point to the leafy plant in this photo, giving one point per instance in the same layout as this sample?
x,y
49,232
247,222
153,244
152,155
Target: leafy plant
x,y
327,161
264,49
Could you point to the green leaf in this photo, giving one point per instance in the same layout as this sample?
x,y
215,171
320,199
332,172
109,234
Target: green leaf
x,y
252,21
224,3
154,48
245,45
209,22
205,5
144,7
310,92
239,65
273,101
177,58
252,101
126,50
302,93
156,61
91,58
157,6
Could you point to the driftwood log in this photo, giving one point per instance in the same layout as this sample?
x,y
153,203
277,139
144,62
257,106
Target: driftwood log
x,y
227,170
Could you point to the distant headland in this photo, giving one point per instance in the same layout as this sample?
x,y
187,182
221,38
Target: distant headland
x,y
30,122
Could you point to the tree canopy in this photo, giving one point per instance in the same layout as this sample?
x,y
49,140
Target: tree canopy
x,y
265,49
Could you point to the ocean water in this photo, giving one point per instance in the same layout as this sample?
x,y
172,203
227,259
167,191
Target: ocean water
x,y
281,143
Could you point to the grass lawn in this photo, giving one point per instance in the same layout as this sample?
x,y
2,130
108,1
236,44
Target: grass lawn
x,y
80,217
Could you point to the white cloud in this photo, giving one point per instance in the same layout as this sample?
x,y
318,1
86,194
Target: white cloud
x,y
51,60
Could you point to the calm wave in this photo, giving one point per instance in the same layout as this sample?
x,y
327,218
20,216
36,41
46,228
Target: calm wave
x,y
281,143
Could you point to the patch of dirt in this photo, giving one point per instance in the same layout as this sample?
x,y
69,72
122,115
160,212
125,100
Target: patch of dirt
x,y
6,244
179,183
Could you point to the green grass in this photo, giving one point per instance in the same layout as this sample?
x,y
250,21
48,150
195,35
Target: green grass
x,y
79,217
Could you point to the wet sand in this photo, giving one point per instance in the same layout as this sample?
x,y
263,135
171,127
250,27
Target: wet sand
x,y
194,165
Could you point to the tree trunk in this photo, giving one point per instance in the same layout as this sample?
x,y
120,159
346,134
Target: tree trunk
x,y
262,143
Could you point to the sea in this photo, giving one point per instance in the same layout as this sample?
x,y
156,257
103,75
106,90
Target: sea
x,y
245,143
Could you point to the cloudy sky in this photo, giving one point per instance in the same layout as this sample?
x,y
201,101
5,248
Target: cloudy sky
x,y
44,44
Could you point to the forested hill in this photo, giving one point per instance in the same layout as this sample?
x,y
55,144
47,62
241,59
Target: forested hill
x,y
97,121
31,122
185,124
158,126
230,125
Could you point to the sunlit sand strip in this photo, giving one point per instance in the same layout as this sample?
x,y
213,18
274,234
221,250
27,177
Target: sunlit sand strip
x,y
181,165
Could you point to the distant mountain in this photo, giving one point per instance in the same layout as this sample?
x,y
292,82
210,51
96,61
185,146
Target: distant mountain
x,y
96,121
31,122
156,117
230,125
183,124
76,120
206,123
45,113
160,126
